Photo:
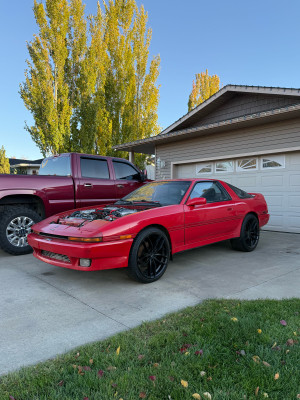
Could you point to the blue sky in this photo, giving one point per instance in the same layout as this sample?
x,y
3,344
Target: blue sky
x,y
253,42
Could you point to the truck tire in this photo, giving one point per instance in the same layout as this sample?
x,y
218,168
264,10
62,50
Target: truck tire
x,y
15,224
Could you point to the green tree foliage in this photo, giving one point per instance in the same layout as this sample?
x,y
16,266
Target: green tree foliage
x,y
4,162
204,87
88,83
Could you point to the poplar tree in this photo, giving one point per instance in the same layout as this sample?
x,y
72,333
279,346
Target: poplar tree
x,y
203,88
4,162
88,83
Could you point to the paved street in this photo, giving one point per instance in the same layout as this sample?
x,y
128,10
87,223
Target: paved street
x,y
46,310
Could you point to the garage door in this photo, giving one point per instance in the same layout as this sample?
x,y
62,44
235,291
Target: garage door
x,y
276,176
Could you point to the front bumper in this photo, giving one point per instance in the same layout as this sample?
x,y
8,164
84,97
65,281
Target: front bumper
x,y
104,255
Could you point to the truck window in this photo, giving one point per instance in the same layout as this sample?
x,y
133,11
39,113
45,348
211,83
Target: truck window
x,y
59,166
93,168
125,171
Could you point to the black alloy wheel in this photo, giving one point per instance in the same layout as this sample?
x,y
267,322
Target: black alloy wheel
x,y
149,256
249,234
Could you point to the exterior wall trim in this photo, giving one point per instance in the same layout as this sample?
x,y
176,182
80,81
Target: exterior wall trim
x,y
284,150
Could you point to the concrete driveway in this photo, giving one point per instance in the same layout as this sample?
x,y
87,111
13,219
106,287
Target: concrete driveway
x,y
46,310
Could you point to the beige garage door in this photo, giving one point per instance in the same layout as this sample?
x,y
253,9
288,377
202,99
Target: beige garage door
x,y
276,176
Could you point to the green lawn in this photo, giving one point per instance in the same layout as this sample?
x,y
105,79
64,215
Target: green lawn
x,y
225,349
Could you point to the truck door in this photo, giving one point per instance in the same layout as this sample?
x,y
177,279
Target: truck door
x,y
95,186
127,178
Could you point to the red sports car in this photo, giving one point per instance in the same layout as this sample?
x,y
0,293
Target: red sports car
x,y
144,229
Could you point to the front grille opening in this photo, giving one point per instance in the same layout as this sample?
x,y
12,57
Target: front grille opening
x,y
55,256
50,235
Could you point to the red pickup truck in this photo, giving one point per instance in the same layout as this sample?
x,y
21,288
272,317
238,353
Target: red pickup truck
x,y
64,182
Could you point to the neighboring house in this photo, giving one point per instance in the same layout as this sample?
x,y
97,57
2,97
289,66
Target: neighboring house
x,y
24,167
248,136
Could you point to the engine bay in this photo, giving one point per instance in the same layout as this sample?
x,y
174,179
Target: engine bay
x,y
108,213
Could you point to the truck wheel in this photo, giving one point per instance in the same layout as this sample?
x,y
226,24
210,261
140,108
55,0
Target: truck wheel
x,y
15,224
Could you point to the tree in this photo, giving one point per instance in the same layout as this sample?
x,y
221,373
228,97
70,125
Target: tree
x,y
88,84
204,87
4,162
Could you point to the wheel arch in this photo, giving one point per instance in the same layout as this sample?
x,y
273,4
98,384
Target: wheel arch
x,y
28,200
162,228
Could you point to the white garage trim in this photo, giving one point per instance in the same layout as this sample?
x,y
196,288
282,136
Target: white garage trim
x,y
234,156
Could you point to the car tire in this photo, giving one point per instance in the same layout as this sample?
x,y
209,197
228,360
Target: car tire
x,y
149,256
249,237
15,224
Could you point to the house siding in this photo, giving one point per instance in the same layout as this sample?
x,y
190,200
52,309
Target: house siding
x,y
245,104
267,137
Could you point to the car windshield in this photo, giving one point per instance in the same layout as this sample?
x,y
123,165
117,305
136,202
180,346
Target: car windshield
x,y
165,193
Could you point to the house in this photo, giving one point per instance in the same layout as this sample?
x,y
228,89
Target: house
x,y
248,136
24,167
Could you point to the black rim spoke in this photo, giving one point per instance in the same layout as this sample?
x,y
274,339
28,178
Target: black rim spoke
x,y
152,255
251,233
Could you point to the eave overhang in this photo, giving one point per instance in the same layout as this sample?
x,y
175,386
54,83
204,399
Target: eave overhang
x,y
147,146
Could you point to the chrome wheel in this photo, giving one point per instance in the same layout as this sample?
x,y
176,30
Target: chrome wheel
x,y
17,231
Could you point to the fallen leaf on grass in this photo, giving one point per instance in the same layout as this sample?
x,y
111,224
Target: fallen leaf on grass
x,y
196,396
100,373
184,383
77,355
209,378
242,352
202,373
283,322
199,352
141,356
12,398
256,359
91,361
234,319
118,350
259,331
111,368
86,368
85,398
207,395
142,395
152,378
256,391
171,378
266,395
60,383
114,385
266,364
276,376
291,342
156,365
298,396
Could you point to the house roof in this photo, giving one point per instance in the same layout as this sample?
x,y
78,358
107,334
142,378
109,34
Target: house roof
x,y
20,162
181,127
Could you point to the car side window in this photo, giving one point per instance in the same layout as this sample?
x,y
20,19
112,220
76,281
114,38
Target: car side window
x,y
211,191
125,171
94,168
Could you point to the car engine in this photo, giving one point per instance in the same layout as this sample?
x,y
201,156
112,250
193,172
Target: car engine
x,y
109,213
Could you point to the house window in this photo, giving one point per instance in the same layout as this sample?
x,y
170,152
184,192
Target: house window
x,y
204,168
246,164
224,166
271,162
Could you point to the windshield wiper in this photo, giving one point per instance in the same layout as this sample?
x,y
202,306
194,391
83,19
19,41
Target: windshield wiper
x,y
121,201
147,201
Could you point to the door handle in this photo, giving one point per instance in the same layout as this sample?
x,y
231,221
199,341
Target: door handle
x,y
87,185
120,186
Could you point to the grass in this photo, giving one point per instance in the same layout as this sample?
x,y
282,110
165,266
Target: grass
x,y
215,348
